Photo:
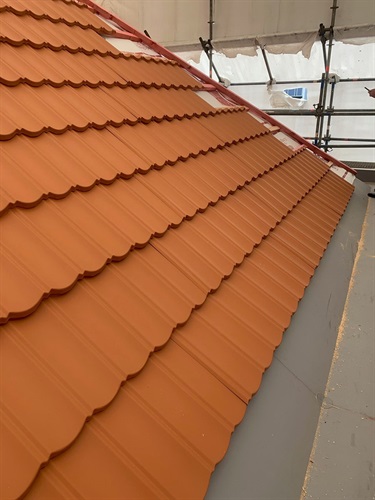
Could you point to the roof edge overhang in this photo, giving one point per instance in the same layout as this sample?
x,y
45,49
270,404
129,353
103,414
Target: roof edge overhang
x,y
212,84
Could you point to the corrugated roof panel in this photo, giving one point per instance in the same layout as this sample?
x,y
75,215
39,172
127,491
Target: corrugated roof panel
x,y
153,252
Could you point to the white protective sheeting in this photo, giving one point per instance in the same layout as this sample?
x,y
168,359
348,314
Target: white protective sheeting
x,y
348,62
245,23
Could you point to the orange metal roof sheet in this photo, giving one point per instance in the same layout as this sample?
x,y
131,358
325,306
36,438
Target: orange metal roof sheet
x,y
153,250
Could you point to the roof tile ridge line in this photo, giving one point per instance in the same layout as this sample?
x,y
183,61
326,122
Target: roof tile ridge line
x,y
53,454
263,369
101,126
101,83
58,48
28,12
170,55
67,83
113,259
121,175
83,50
247,254
138,172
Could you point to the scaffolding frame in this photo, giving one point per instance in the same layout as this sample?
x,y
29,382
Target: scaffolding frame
x,y
321,110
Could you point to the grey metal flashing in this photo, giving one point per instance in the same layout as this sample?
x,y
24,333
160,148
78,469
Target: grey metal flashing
x,y
270,450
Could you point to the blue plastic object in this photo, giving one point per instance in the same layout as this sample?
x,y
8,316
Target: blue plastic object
x,y
297,93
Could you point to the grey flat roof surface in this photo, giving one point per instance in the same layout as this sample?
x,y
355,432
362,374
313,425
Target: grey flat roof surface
x,y
342,464
270,450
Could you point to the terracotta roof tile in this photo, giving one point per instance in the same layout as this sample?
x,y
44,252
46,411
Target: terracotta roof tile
x,y
67,11
196,411
39,33
153,250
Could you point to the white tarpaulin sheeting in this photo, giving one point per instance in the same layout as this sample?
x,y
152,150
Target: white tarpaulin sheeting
x,y
348,61
244,23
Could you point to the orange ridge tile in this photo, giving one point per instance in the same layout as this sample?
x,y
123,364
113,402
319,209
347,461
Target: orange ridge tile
x,y
54,261
217,361
69,12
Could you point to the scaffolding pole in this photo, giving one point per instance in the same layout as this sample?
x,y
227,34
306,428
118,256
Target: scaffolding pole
x,y
348,146
327,112
293,82
325,76
271,80
207,48
211,34
346,139
329,119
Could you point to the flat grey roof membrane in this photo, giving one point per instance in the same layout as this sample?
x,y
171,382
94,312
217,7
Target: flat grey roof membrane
x,y
270,449
342,463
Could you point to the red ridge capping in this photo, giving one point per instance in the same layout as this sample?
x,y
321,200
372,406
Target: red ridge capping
x,y
125,36
170,55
